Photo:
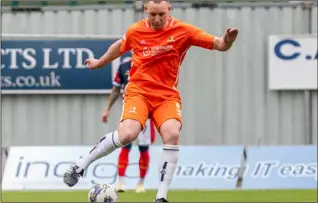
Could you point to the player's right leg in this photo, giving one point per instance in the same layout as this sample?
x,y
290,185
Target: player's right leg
x,y
134,115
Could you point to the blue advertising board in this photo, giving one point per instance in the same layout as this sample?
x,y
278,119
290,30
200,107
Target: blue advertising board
x,y
55,66
199,167
281,167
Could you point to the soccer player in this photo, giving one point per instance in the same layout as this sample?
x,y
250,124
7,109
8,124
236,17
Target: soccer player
x,y
159,44
145,138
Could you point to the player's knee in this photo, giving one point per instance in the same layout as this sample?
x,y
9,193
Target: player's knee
x,y
174,136
128,135
128,131
171,136
170,132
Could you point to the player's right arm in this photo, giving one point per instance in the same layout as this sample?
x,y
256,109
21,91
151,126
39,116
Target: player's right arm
x,y
114,51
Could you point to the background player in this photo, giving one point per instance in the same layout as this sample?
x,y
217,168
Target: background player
x,y
159,45
145,138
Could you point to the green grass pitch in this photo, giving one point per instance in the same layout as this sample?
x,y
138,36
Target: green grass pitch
x,y
173,196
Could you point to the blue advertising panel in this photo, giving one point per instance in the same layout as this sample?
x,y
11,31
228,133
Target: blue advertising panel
x,y
281,167
55,66
199,167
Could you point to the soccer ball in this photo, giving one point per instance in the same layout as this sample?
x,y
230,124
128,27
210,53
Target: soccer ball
x,y
103,193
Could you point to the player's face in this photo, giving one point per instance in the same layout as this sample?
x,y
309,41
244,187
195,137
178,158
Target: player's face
x,y
158,13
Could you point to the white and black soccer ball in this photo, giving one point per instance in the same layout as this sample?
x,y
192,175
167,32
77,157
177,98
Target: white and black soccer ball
x,y
103,193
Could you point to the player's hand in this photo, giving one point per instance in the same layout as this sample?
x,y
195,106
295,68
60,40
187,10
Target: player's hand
x,y
92,63
230,35
105,116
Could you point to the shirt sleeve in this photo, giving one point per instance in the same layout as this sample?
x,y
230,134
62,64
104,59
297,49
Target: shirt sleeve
x,y
200,38
126,41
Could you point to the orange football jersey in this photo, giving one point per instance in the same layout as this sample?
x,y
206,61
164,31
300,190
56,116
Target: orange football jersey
x,y
158,54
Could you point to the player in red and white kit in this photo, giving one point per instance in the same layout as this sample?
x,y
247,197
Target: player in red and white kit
x,y
145,138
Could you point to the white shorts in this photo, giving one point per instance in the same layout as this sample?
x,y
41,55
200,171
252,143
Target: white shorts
x,y
144,138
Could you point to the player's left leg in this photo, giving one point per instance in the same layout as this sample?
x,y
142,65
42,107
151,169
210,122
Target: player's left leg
x,y
167,118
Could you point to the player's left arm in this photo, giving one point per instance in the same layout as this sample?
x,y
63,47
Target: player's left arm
x,y
225,42
201,38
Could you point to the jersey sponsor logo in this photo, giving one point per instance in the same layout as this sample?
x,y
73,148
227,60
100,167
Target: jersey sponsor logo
x,y
156,50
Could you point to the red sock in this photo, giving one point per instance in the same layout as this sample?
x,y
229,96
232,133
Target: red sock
x,y
143,163
123,161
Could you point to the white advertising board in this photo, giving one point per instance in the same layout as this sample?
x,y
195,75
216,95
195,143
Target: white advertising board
x,y
292,62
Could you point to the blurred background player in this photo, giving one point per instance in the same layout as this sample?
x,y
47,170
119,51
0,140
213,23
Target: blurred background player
x,y
145,138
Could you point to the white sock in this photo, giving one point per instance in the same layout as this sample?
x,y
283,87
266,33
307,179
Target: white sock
x,y
141,181
106,145
167,166
121,180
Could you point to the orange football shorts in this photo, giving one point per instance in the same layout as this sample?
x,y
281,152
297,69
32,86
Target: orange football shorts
x,y
137,107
